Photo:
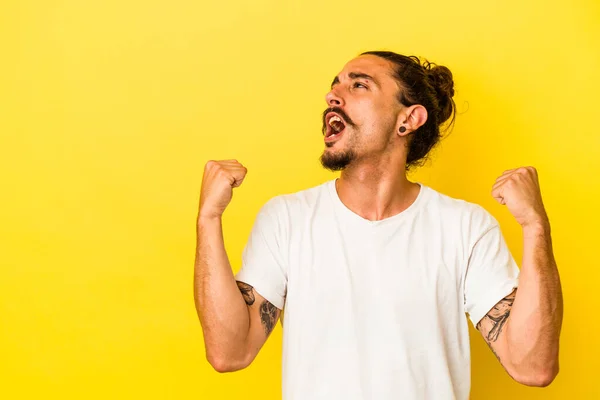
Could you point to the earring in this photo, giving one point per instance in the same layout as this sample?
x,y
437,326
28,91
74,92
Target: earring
x,y
402,129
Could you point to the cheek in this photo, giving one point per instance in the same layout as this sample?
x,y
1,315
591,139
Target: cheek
x,y
364,114
373,119
385,118
375,122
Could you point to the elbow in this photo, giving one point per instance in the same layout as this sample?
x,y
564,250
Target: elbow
x,y
546,377
223,363
223,366
540,377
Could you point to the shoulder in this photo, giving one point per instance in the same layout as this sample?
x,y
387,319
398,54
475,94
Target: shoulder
x,y
295,204
469,216
304,199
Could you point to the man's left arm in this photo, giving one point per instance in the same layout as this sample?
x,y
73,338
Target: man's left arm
x,y
523,329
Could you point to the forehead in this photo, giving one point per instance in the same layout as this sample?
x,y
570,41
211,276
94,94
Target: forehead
x,y
379,68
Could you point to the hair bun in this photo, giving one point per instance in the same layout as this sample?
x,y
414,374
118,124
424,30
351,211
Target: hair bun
x,y
441,79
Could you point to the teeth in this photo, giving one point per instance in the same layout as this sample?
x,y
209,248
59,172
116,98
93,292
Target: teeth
x,y
333,119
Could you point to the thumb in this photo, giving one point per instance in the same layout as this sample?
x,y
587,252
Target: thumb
x,y
498,195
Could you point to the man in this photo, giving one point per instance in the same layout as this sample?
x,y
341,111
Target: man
x,y
375,272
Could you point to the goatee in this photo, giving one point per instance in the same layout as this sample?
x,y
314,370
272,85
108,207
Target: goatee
x,y
337,161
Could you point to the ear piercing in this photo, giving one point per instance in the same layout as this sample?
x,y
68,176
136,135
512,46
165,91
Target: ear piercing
x,y
402,129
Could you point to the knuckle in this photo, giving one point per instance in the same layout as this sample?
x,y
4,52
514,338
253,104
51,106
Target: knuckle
x,y
221,172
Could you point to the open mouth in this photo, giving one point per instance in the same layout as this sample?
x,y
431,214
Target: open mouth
x,y
335,127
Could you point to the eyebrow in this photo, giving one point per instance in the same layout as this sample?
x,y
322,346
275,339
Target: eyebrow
x,y
354,75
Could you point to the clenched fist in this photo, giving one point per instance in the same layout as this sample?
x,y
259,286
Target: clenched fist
x,y
519,190
220,177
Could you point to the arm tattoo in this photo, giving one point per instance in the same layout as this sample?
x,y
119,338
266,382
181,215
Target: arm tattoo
x,y
498,317
247,292
492,324
268,316
267,311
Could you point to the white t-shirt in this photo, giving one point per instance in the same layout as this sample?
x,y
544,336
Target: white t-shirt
x,y
376,309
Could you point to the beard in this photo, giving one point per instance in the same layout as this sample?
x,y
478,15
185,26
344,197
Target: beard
x,y
337,161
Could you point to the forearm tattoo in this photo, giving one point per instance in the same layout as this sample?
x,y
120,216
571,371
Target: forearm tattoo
x,y
247,292
268,316
492,324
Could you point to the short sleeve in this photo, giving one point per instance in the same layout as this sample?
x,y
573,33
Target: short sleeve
x,y
263,258
492,274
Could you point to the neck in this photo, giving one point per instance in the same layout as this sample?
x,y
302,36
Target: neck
x,y
376,193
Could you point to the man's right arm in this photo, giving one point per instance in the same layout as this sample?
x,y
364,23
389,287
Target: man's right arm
x,y
235,320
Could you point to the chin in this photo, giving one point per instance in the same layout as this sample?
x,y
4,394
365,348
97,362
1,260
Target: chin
x,y
336,161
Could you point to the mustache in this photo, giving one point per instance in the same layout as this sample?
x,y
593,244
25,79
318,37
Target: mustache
x,y
339,112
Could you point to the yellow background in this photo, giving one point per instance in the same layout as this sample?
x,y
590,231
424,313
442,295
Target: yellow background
x,y
109,110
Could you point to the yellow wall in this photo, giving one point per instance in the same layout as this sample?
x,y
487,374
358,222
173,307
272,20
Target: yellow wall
x,y
109,110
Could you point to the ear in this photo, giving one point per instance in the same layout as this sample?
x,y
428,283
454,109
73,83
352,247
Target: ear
x,y
412,118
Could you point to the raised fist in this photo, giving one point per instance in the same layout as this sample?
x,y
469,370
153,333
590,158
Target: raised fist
x,y
220,177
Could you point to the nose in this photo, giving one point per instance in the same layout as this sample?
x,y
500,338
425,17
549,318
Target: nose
x,y
333,99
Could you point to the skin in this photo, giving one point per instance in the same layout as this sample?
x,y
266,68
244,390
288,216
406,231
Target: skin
x,y
374,184
236,320
523,329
